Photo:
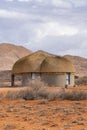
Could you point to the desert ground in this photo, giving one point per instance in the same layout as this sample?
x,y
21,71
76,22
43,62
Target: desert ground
x,y
42,114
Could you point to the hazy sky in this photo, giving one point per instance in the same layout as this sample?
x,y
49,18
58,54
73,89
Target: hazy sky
x,y
56,26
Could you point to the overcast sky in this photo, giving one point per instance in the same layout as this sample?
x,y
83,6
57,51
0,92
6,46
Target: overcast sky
x,y
56,26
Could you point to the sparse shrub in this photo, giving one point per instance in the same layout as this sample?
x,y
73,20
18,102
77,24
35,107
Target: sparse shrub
x,y
75,95
81,80
43,94
37,91
14,95
37,84
56,95
53,95
31,94
28,94
67,95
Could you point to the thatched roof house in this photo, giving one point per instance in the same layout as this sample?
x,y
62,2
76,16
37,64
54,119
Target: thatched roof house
x,y
52,69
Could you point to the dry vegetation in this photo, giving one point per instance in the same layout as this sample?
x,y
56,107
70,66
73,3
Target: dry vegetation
x,y
33,94
37,90
39,107
81,81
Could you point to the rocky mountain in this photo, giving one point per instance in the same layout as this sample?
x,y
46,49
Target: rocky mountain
x,y
80,64
9,54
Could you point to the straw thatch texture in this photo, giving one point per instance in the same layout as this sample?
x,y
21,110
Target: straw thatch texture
x,y
42,62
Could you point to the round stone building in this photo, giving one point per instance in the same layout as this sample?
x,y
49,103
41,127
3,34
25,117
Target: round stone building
x,y
52,69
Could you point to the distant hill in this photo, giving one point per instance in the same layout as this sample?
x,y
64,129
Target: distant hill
x,y
80,64
9,54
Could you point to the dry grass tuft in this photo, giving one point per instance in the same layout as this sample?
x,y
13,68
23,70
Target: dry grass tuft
x,y
15,95
75,95
37,90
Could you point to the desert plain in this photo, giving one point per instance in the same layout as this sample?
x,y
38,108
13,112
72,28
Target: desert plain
x,y
43,114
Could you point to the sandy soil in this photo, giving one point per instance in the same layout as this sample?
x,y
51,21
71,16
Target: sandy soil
x,y
42,114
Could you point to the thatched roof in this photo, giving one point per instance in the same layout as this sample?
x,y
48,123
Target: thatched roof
x,y
41,61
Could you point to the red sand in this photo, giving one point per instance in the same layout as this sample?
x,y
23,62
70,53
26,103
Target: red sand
x,y
36,115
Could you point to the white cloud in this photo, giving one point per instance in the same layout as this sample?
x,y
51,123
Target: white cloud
x,y
9,0
39,0
79,3
54,29
11,14
75,52
61,3
31,0
57,26
24,0
19,0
